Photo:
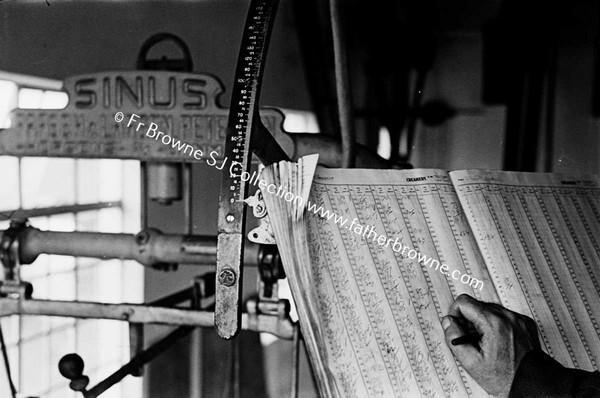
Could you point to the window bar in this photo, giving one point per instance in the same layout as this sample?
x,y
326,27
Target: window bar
x,y
55,210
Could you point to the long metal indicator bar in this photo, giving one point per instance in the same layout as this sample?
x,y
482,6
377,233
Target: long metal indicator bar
x,y
231,219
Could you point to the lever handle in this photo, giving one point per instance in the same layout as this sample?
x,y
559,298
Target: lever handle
x,y
71,367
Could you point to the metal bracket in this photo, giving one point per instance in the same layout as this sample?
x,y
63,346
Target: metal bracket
x,y
71,366
11,261
184,64
263,234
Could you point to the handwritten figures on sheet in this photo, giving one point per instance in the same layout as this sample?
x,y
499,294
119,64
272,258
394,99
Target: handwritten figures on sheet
x,y
546,228
429,290
338,351
382,371
359,330
386,301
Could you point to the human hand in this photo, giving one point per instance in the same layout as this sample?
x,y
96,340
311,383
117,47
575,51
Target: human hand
x,y
506,337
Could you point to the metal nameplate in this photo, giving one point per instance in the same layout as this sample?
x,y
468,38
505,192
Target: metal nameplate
x,y
182,105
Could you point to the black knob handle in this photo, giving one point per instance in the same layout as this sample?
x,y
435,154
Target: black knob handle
x,y
71,367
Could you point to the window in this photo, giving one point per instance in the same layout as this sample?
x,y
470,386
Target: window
x,y
56,187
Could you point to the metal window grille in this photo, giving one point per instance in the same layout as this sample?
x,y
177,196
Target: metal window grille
x,y
66,195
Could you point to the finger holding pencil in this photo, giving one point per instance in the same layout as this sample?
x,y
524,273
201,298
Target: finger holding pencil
x,y
472,338
489,341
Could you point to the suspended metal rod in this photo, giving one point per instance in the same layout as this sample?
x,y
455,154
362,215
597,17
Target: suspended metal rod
x,y
342,86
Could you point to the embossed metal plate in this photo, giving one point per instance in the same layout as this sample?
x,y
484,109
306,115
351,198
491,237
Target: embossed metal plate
x,y
182,105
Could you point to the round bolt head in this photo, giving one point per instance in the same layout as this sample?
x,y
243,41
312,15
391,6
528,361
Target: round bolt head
x,y
142,238
227,277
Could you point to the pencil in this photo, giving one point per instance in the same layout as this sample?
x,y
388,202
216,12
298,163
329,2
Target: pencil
x,y
469,338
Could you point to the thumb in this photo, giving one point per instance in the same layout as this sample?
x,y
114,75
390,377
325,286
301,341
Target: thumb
x,y
467,354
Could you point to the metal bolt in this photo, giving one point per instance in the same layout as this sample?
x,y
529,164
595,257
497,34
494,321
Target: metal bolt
x,y
142,238
229,218
227,277
126,315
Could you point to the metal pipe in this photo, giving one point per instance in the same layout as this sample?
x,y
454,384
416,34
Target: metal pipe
x,y
149,247
188,208
344,100
164,182
138,313
295,361
31,81
144,194
330,150
416,105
